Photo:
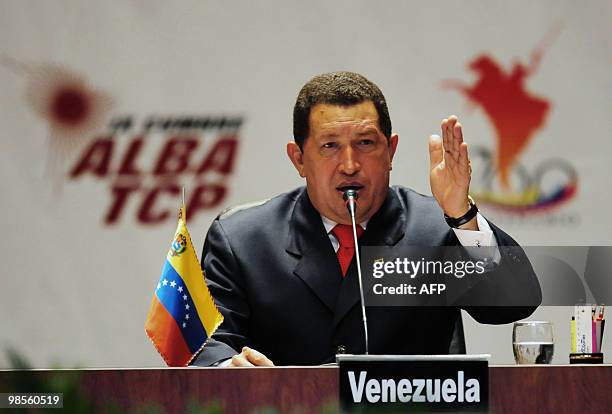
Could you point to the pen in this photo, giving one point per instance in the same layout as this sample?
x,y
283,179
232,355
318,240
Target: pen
x,y
594,336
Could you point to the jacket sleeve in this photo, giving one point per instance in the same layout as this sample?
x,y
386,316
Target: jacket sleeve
x,y
226,284
507,293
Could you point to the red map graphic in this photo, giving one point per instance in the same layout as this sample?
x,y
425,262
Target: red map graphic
x,y
515,113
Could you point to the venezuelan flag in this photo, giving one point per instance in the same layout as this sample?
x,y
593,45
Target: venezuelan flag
x,y
183,314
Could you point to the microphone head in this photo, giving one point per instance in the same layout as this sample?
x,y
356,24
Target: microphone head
x,y
350,194
350,200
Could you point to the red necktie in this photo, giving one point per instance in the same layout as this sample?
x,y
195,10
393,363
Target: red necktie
x,y
346,251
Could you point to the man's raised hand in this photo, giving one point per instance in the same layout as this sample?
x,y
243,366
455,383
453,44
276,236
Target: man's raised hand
x,y
450,170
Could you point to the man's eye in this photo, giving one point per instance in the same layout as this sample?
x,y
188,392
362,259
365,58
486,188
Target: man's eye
x,y
329,145
366,142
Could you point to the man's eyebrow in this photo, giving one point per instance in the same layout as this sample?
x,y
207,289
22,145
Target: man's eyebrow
x,y
330,134
368,131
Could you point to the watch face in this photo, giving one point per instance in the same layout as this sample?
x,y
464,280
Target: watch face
x,y
471,201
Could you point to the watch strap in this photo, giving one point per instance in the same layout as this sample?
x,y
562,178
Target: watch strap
x,y
460,221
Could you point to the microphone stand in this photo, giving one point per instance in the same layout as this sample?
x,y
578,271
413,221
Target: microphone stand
x,y
350,197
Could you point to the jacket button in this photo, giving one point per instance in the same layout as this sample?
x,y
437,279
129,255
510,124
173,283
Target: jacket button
x,y
341,349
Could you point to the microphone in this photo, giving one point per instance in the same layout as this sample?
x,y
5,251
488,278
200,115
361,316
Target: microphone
x,y
350,198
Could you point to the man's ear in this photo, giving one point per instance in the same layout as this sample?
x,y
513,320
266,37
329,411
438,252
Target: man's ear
x,y
297,158
392,147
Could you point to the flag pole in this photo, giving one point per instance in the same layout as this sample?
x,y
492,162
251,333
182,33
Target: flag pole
x,y
184,208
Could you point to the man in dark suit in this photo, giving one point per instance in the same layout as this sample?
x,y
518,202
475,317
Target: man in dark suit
x,y
283,273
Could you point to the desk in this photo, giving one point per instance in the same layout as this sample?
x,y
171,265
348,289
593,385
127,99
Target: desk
x,y
514,389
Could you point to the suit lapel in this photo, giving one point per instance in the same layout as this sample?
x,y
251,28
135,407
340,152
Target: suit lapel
x,y
317,264
386,227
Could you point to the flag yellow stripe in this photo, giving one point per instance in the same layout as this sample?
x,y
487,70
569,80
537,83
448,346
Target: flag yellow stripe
x,y
187,266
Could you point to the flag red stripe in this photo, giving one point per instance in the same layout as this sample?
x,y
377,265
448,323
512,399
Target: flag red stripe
x,y
166,335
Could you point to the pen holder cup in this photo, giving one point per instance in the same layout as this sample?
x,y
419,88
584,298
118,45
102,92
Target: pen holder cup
x,y
592,358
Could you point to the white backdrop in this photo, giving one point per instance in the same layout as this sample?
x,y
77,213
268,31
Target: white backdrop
x,y
74,291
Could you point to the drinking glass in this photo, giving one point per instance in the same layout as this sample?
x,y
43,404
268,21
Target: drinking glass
x,y
532,342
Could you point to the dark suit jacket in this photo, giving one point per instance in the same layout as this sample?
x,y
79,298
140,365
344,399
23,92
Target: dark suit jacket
x,y
275,278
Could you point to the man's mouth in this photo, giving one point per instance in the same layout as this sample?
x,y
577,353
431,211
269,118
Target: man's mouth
x,y
351,186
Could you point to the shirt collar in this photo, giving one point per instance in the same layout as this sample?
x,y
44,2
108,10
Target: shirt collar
x,y
330,224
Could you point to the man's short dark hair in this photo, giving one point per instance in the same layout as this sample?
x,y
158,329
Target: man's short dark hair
x,y
337,88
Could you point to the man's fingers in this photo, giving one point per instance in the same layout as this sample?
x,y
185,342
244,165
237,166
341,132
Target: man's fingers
x,y
436,151
256,357
458,134
445,139
453,146
250,358
462,170
452,137
240,360
464,159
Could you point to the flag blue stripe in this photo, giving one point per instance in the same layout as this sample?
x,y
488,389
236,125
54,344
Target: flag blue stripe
x,y
179,304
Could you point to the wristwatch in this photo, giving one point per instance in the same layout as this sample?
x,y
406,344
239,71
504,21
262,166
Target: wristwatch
x,y
460,221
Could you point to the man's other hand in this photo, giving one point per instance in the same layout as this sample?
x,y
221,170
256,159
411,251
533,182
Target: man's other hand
x,y
250,358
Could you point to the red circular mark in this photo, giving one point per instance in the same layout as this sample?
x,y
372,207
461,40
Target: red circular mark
x,y
70,106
